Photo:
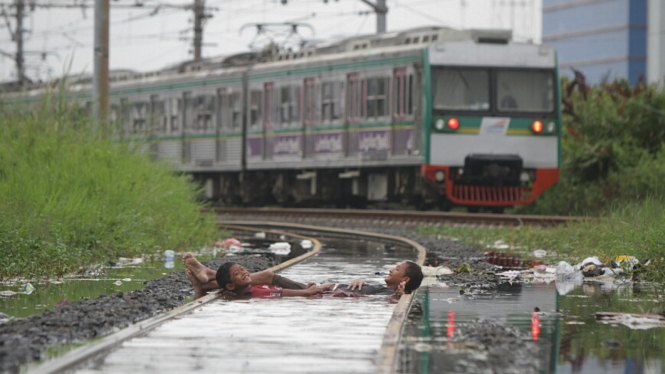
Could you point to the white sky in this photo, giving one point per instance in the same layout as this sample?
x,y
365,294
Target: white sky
x,y
143,42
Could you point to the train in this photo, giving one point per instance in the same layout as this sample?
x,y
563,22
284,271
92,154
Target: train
x,y
430,117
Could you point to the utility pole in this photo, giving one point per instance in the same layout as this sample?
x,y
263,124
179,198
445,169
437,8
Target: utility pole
x,y
198,27
20,67
381,10
100,79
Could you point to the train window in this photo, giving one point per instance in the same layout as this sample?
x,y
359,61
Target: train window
x,y
285,106
203,109
331,99
255,108
375,98
114,114
435,37
294,108
525,91
124,116
425,38
235,104
157,112
188,111
461,89
310,101
173,113
138,117
222,109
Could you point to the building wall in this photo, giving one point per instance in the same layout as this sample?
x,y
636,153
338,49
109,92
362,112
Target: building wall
x,y
656,42
601,38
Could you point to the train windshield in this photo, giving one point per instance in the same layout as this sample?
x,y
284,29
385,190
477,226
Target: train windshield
x,y
524,91
461,89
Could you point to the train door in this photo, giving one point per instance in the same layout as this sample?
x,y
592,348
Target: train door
x,y
268,130
353,113
404,132
309,111
187,128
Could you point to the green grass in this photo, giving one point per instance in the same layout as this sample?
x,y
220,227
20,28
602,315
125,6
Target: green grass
x,y
636,229
69,198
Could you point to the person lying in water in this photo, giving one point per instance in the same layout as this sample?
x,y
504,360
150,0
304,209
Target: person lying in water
x,y
235,279
406,277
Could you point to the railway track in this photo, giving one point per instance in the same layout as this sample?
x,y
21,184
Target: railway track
x,y
202,336
396,216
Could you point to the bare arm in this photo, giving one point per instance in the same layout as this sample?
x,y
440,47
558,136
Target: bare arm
x,y
306,292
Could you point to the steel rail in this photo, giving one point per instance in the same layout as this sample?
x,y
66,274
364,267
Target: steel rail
x,y
387,356
79,355
404,216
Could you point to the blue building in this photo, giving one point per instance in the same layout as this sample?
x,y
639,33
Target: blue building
x,y
606,38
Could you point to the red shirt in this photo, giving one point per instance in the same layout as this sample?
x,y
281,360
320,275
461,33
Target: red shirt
x,y
265,292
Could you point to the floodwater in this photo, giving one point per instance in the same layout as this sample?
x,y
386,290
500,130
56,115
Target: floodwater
x,y
287,335
49,294
571,341
122,276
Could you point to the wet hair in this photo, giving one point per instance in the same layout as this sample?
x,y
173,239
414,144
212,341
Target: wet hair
x,y
415,274
223,275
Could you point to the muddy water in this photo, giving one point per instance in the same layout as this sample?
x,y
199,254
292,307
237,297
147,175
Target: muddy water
x,y
497,331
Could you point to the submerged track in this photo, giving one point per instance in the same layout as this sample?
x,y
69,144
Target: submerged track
x,y
287,335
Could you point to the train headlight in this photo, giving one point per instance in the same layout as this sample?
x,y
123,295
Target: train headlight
x,y
453,123
440,124
525,177
439,176
537,126
551,126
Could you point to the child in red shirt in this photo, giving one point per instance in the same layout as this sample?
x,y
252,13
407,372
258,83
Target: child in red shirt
x,y
233,277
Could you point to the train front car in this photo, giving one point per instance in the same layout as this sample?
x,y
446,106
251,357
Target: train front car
x,y
494,123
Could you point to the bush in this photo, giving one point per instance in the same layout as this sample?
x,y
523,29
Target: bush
x,y
612,148
70,198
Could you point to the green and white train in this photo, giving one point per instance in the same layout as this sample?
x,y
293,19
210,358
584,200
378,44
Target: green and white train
x,y
425,116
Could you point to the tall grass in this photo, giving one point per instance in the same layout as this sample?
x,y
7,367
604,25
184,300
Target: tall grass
x,y
636,229
69,198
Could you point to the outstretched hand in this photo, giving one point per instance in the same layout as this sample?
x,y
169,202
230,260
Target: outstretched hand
x,y
400,289
358,283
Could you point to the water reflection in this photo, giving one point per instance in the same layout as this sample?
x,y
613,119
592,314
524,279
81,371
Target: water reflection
x,y
464,330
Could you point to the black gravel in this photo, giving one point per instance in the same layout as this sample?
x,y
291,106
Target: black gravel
x,y
26,339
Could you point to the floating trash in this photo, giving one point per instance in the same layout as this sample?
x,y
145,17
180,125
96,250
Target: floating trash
x,y
228,243
55,282
8,293
464,268
28,288
539,253
117,283
260,235
169,259
306,244
280,248
443,270
4,317
127,280
61,303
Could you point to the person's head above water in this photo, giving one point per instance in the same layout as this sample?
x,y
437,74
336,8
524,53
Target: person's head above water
x,y
408,272
232,277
